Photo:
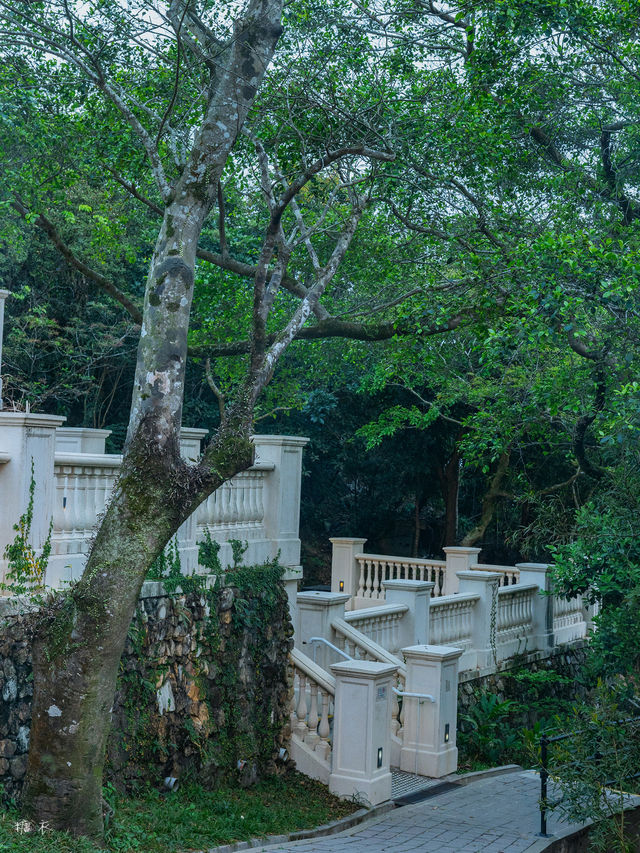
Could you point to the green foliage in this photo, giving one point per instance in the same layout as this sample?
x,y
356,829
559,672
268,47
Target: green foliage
x,y
191,818
25,568
238,548
603,564
208,553
167,568
483,735
596,765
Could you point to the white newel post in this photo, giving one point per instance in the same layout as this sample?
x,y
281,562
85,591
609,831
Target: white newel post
x,y
484,584
3,295
282,493
316,612
459,559
24,438
538,573
345,572
187,535
414,625
429,747
362,731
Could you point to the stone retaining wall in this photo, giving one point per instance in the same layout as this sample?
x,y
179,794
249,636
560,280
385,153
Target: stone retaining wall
x,y
566,662
202,688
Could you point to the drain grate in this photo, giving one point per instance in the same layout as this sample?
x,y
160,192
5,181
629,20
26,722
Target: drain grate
x,y
404,784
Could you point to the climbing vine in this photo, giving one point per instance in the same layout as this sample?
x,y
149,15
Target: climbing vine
x,y
26,569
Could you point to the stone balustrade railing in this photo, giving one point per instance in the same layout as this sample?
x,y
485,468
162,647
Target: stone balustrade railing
x,y
380,624
568,618
311,709
451,621
508,574
374,569
74,478
515,618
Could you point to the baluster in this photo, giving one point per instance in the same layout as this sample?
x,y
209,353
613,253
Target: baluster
x,y
395,707
373,577
323,748
361,581
300,726
311,736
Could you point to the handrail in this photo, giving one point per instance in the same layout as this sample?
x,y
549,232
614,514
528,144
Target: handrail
x,y
92,460
417,561
443,600
517,587
373,612
313,671
340,626
330,645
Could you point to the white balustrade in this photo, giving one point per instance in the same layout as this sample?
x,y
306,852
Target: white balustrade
x,y
236,510
311,713
380,624
514,619
451,620
568,619
376,568
83,483
509,574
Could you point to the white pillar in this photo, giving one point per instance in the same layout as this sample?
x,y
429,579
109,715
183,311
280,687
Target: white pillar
x,y
3,295
414,625
459,559
24,438
316,612
538,573
362,730
282,493
345,572
484,584
429,728
81,440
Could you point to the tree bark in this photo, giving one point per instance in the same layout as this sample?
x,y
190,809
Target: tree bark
x,y
489,501
81,635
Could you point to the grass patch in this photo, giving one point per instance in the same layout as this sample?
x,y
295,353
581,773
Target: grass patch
x,y
193,818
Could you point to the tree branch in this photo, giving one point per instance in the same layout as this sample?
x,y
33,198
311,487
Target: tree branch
x,y
104,283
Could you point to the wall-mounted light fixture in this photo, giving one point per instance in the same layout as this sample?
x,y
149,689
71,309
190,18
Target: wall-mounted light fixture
x,y
341,586
380,756
446,732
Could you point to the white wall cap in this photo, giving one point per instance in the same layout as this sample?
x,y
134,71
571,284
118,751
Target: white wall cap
x,y
416,586
363,668
477,575
460,549
18,419
296,440
323,598
193,432
428,652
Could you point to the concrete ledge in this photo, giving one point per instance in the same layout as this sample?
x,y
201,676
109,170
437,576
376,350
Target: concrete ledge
x,y
320,831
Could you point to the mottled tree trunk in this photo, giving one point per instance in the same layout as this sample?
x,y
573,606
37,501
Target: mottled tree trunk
x,y
81,636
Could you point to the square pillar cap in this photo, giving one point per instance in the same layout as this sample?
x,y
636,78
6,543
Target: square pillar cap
x,y
426,652
32,419
365,669
413,586
325,599
346,540
477,575
460,549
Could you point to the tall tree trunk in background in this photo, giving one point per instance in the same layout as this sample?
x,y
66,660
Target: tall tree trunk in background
x,y
490,501
81,637
449,476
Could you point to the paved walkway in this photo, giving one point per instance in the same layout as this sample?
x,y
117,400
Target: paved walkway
x,y
494,815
